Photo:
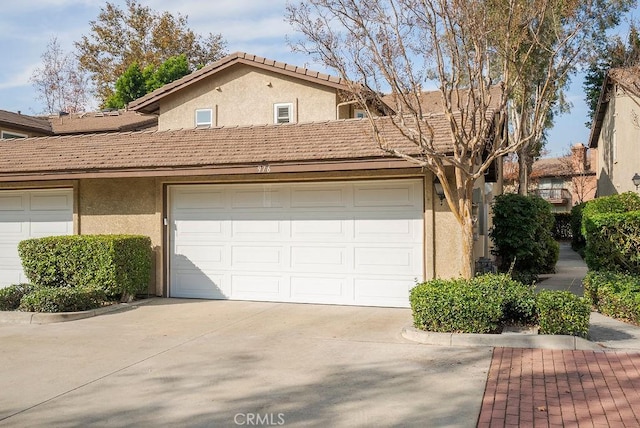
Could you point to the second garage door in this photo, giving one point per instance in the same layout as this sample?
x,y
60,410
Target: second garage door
x,y
30,214
353,243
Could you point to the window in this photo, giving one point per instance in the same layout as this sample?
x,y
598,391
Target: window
x,y
9,135
359,113
283,113
204,118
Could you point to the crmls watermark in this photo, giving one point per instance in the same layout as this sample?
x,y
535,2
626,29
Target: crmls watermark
x,y
257,419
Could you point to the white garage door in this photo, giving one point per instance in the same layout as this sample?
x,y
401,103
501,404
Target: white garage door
x,y
352,243
30,214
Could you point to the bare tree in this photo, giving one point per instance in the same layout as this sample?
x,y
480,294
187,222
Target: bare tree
x,y
398,46
59,82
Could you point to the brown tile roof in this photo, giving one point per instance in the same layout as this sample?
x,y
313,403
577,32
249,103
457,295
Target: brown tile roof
x,y
24,122
204,148
149,102
431,101
629,79
93,122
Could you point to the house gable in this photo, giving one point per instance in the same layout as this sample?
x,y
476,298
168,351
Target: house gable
x,y
246,95
240,83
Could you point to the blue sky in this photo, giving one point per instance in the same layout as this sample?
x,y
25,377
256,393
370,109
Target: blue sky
x,y
254,26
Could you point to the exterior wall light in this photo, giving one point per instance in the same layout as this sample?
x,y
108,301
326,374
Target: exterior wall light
x,y
636,180
437,186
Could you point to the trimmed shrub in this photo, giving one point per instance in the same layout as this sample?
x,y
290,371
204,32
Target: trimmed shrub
x,y
455,306
480,305
614,294
118,264
522,231
613,241
62,299
10,296
577,238
562,312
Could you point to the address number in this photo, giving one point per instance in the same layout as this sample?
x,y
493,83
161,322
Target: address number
x,y
264,168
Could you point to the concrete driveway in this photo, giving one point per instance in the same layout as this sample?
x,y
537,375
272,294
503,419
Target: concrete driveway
x,y
176,362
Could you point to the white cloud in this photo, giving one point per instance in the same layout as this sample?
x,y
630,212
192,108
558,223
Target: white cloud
x,y
20,78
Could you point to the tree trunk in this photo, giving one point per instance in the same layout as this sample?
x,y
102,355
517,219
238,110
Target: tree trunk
x,y
524,170
468,259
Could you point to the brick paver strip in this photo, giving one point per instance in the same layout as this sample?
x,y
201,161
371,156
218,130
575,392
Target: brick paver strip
x,y
559,388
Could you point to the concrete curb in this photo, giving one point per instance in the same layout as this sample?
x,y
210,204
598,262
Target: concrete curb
x,y
537,341
17,317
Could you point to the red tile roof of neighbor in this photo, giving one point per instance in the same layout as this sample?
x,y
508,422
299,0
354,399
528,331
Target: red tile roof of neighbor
x,y
149,102
154,152
111,121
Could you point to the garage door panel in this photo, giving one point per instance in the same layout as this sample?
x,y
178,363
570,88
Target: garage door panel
x,y
11,227
318,258
303,242
256,257
243,226
385,195
256,286
209,254
198,198
50,202
198,284
325,197
399,260
12,203
329,229
392,291
40,227
259,198
318,289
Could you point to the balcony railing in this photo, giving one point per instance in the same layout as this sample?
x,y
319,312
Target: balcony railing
x,y
554,196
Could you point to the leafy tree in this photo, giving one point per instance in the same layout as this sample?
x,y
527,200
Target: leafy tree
x,y
58,82
135,82
170,70
480,55
120,37
615,53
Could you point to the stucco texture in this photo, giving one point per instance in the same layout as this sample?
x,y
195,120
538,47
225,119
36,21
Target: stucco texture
x,y
240,89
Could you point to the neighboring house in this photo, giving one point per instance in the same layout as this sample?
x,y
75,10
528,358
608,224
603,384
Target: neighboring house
x,y
18,125
102,121
563,181
616,131
243,200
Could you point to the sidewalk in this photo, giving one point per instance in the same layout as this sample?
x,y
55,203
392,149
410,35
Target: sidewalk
x,y
544,387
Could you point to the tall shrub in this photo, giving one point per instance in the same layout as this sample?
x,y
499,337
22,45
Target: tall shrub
x,y
523,232
611,227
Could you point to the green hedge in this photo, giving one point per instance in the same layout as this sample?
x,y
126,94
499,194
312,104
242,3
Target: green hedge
x,y
480,305
62,299
523,231
118,264
562,312
614,294
10,296
613,241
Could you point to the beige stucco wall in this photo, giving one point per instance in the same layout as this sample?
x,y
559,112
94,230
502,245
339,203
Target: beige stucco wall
x,y
619,145
233,92
122,206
